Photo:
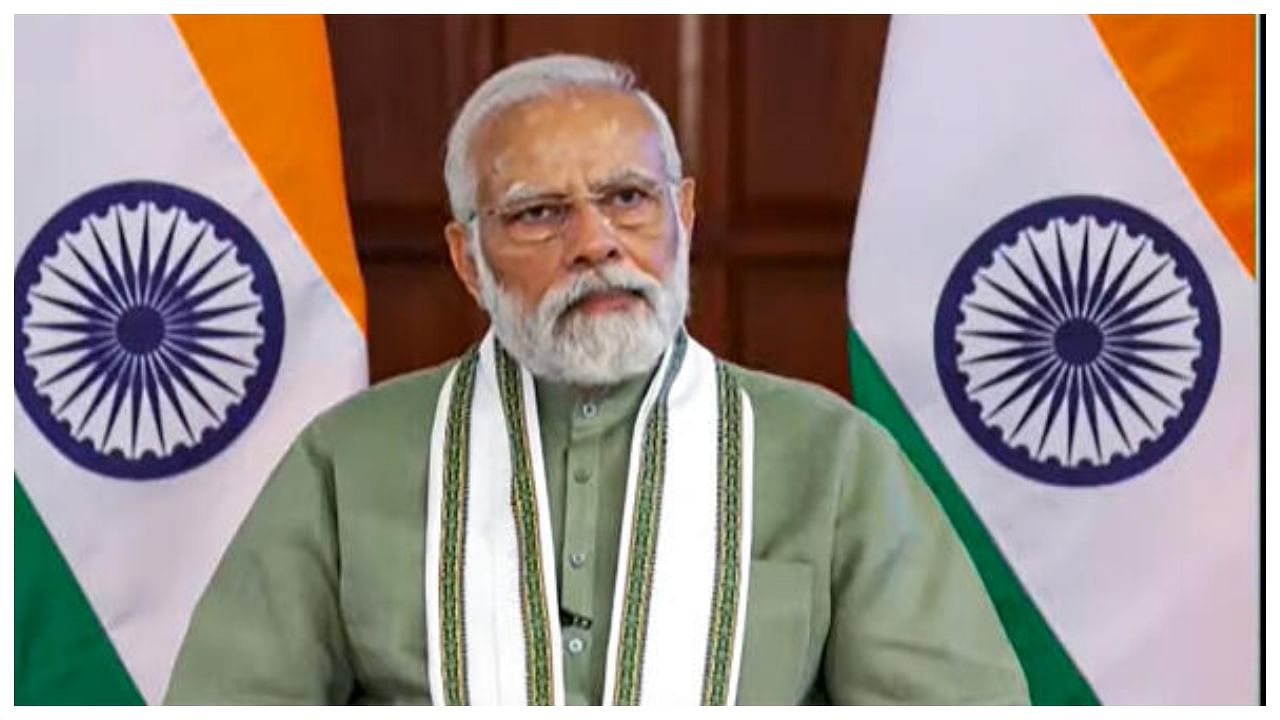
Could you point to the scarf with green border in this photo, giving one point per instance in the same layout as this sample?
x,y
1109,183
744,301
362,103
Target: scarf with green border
x,y
493,631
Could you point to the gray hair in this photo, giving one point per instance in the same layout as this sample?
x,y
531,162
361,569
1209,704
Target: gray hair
x,y
534,78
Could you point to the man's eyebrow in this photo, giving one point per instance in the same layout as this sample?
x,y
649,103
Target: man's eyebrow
x,y
624,177
522,193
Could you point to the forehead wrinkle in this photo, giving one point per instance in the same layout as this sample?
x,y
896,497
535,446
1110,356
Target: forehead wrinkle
x,y
527,141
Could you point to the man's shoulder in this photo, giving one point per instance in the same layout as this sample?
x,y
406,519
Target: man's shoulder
x,y
772,392
787,389
802,409
395,406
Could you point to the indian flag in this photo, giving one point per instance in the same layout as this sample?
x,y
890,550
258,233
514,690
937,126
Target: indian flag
x,y
186,298
1053,308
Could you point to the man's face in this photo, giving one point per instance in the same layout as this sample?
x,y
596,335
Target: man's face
x,y
584,238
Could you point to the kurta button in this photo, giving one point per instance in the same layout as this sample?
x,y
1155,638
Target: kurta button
x,y
577,559
576,645
589,410
581,477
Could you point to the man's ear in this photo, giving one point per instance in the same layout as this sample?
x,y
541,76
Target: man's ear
x,y
456,234
685,204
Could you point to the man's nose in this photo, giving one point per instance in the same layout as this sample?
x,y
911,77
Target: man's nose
x,y
589,239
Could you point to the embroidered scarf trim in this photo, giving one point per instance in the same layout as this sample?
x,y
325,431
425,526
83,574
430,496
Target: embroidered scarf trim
x,y
489,565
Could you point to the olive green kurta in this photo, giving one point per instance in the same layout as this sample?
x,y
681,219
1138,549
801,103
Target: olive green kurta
x,y
860,592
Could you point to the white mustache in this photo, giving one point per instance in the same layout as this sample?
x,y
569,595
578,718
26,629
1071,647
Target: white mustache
x,y
559,301
555,343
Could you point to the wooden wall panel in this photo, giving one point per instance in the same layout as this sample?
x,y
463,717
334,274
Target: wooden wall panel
x,y
773,115
647,43
393,106
419,315
808,87
710,311
791,321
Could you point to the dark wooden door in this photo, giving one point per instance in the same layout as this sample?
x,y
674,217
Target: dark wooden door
x,y
773,115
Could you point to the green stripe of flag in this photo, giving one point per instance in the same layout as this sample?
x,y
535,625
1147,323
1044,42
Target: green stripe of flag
x,y
61,654
1051,675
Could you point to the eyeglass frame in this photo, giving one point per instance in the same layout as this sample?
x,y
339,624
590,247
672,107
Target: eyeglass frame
x,y
656,188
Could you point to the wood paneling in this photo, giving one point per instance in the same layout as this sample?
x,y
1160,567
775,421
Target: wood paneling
x,y
391,75
419,315
710,312
647,43
773,114
805,105
791,320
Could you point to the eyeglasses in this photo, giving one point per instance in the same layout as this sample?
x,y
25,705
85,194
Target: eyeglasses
x,y
630,205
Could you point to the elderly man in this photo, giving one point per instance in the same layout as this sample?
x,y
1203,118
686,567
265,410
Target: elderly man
x,y
588,506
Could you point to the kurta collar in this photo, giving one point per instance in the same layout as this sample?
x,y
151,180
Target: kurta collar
x,y
594,410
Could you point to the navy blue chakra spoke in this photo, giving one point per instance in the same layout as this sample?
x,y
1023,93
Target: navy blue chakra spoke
x,y
150,326
1077,340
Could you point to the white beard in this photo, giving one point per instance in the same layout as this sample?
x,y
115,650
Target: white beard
x,y
585,349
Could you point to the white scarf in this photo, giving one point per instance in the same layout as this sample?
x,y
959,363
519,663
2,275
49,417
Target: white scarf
x,y
493,633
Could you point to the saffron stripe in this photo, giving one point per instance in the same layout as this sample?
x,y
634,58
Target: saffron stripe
x,y
1194,77
271,79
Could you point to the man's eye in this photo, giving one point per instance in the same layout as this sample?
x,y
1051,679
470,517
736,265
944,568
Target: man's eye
x,y
628,197
535,214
